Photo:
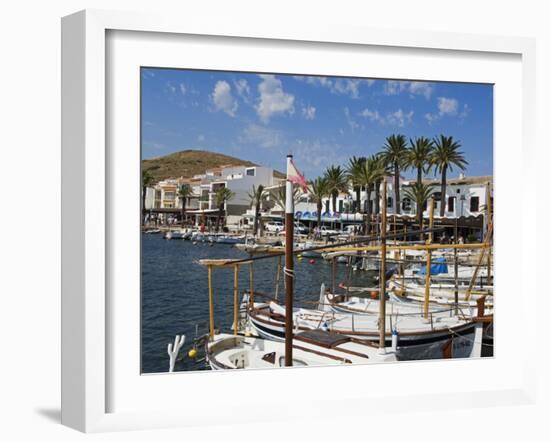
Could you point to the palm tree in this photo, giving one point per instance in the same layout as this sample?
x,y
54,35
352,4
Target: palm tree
x,y
380,165
419,192
279,195
223,194
256,198
446,155
395,156
419,156
369,176
353,171
184,192
146,181
319,189
337,182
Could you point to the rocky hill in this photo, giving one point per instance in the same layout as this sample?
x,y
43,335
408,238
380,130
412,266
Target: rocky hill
x,y
191,162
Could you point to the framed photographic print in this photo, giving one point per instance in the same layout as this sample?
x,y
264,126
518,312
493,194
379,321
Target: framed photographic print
x,y
284,211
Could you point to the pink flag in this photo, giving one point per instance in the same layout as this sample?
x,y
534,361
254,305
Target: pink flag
x,y
294,176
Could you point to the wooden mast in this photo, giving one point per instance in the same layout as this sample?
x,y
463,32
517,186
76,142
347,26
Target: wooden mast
x,y
456,265
428,263
210,302
489,227
382,292
289,266
236,299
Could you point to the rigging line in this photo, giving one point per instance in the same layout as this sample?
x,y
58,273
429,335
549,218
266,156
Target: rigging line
x,y
473,341
340,244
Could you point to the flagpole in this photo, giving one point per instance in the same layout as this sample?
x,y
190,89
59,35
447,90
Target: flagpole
x,y
289,264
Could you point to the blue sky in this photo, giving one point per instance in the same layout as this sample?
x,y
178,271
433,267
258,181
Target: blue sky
x,y
321,120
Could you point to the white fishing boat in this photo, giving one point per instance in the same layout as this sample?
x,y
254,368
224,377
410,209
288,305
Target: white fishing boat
x,y
310,348
442,334
440,293
442,272
177,234
151,231
230,239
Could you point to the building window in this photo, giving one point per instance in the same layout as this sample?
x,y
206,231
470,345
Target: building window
x,y
474,204
437,196
251,172
390,202
327,208
451,204
406,204
340,206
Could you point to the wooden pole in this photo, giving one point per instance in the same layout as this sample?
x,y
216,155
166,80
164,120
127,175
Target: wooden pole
x,y
278,279
456,266
333,275
489,224
382,291
428,264
251,287
210,301
236,299
479,262
289,266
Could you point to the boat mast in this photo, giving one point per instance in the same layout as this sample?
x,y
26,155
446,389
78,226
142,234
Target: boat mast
x,y
289,265
382,292
428,263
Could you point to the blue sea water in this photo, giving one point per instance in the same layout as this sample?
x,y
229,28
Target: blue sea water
x,y
174,297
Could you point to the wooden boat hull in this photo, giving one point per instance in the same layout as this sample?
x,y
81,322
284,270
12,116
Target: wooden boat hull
x,y
455,342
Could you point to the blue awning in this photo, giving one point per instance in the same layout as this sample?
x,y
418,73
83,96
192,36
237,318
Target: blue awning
x,y
439,265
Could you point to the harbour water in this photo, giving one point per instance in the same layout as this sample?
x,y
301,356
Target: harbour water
x,y
175,293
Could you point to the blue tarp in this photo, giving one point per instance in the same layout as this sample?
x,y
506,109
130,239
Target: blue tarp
x,y
439,265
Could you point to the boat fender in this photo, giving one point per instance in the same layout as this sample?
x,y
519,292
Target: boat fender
x,y
394,339
192,353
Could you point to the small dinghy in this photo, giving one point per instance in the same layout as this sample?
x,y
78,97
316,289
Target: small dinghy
x,y
310,348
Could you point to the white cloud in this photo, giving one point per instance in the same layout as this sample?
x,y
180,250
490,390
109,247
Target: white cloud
x,y
371,115
200,138
447,107
465,111
421,88
312,156
262,136
398,118
309,112
351,121
223,99
395,87
243,89
338,86
346,87
183,89
273,100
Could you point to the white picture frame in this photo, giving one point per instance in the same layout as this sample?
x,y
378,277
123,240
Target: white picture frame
x,y
86,316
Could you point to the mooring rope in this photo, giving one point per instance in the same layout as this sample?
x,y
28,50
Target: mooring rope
x,y
288,272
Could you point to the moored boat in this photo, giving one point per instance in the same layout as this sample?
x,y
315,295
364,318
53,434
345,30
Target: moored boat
x,y
418,338
310,348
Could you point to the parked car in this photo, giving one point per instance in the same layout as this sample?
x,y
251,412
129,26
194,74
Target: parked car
x,y
325,231
299,229
274,226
